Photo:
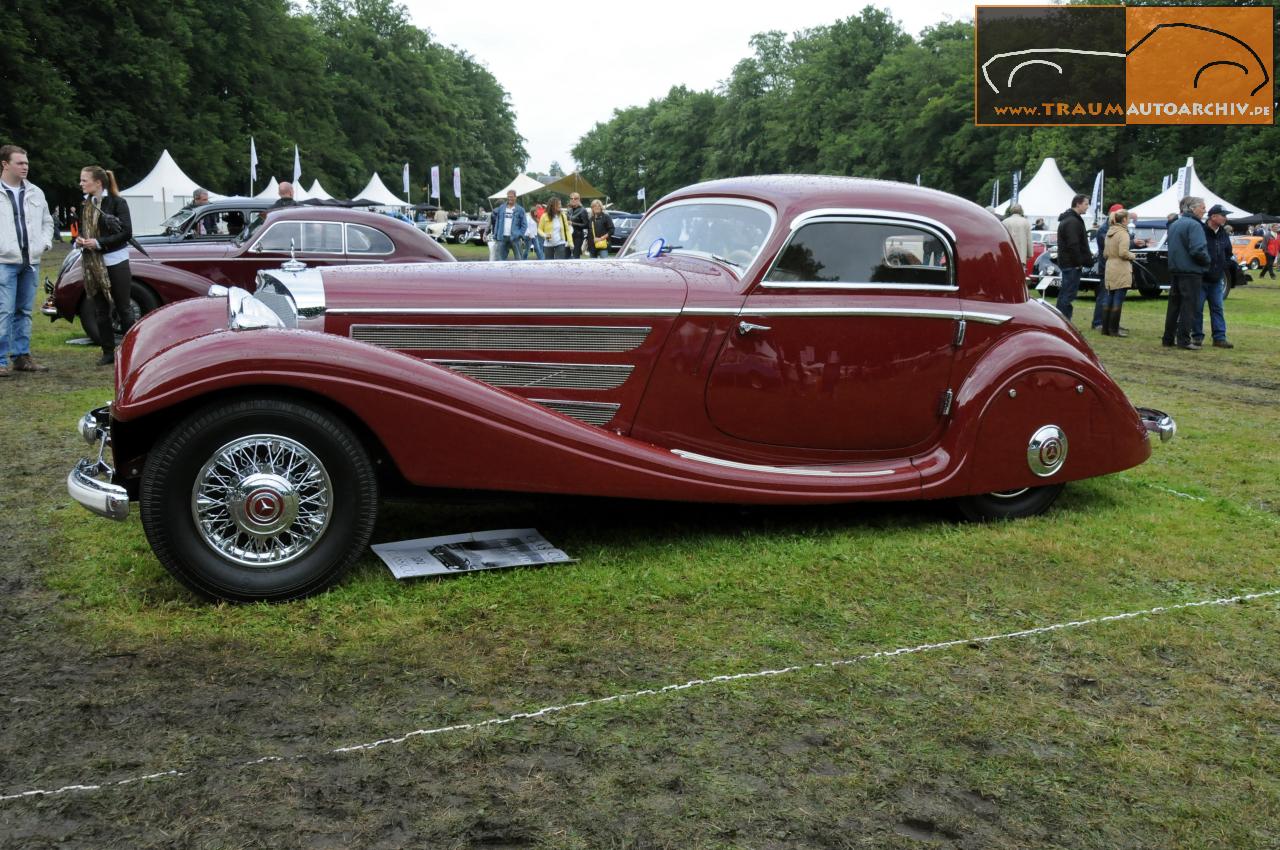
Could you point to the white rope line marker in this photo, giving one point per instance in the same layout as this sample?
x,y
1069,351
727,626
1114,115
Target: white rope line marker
x,y
647,692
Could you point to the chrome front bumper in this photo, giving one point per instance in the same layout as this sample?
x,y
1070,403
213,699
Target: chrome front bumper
x,y
1158,422
85,482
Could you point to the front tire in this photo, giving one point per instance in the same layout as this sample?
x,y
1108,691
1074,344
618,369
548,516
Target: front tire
x,y
1253,264
259,500
1009,504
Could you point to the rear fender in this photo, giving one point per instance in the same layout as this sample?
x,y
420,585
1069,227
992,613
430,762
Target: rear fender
x,y
1027,381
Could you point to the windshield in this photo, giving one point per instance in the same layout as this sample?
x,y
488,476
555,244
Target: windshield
x,y
730,231
174,223
255,222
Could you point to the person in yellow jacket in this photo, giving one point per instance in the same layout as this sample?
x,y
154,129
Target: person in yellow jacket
x,y
555,231
1118,275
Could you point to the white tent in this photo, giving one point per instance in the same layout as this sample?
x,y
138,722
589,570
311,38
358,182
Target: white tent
x,y
272,191
300,193
375,190
1045,196
523,184
1167,201
164,191
317,191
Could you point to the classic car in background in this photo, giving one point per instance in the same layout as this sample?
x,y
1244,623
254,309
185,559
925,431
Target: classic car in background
x,y
1151,275
762,340
318,235
623,224
220,220
1248,251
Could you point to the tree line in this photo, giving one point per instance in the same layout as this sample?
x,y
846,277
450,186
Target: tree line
x,y
861,97
352,82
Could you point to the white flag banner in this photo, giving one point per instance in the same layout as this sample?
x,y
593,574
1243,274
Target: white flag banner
x,y
457,182
1095,202
406,181
1166,183
1017,184
917,179
640,194
253,160
297,166
1183,183
435,182
995,193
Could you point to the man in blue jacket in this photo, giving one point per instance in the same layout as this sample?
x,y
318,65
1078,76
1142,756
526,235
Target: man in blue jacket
x,y
508,226
1188,263
1218,243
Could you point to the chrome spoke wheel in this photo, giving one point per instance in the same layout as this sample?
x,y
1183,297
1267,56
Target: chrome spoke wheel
x,y
262,500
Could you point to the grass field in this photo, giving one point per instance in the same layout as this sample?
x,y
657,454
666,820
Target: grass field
x,y
1155,731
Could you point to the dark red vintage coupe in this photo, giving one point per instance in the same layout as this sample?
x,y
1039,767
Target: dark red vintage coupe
x,y
759,340
318,235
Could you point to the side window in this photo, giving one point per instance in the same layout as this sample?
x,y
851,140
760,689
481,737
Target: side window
x,y
863,252
367,240
282,236
321,237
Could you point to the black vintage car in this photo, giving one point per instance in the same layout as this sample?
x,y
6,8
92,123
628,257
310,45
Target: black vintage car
x,y
1150,269
215,221
623,224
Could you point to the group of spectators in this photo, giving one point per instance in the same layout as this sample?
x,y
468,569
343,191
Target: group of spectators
x,y
550,231
1199,250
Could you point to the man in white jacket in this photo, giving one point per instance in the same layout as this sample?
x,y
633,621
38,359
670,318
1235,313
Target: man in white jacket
x,y
26,232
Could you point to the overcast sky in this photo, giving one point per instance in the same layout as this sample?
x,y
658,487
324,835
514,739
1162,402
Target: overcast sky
x,y
662,43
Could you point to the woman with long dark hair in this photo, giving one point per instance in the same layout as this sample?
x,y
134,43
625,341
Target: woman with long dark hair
x,y
556,231
105,231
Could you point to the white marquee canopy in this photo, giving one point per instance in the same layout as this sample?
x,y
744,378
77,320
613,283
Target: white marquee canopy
x,y
165,190
1167,201
523,185
375,190
1046,195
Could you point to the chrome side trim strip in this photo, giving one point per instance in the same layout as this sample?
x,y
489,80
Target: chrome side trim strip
x,y
783,470
505,311
836,213
912,287
585,338
899,312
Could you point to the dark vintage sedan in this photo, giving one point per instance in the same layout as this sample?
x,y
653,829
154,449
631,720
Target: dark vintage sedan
x,y
220,220
319,236
765,340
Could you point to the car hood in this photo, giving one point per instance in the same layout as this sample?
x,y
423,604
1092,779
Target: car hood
x,y
601,286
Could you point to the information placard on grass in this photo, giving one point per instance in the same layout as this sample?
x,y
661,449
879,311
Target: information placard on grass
x,y
463,553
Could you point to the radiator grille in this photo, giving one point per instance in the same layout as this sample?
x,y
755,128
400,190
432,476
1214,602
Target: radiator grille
x,y
585,376
502,337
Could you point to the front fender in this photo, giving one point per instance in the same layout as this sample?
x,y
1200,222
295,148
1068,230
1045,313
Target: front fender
x,y
1028,380
442,429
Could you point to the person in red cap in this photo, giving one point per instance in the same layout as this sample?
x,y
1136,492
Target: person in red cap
x,y
1100,293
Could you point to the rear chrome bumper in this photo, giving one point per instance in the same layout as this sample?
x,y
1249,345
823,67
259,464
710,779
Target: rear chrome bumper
x,y
85,482
1158,422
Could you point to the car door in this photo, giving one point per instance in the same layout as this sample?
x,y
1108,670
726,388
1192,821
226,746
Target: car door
x,y
848,340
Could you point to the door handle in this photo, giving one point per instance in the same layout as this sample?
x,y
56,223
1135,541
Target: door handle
x,y
745,328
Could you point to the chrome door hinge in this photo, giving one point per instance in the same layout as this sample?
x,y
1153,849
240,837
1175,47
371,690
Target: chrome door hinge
x,y
944,407
959,340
